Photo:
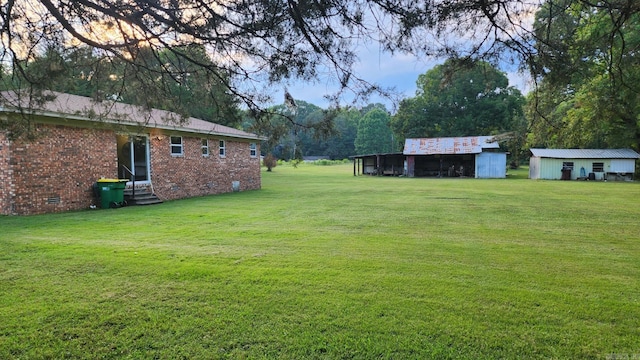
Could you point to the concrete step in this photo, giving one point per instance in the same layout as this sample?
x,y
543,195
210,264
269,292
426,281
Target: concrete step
x,y
142,197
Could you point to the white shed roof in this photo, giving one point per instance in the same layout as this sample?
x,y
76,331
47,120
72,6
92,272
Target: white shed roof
x,y
451,145
585,153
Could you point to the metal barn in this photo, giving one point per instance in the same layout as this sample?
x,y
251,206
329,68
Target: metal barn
x,y
582,164
473,156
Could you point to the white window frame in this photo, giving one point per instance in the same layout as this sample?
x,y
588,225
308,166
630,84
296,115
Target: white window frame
x,y
222,148
176,146
205,147
253,150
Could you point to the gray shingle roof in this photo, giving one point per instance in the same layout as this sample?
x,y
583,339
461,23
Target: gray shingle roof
x,y
585,153
83,108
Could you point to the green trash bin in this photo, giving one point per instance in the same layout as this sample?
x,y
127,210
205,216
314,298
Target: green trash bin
x,y
111,192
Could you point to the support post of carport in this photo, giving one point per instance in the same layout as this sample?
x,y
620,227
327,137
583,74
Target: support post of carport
x,y
356,166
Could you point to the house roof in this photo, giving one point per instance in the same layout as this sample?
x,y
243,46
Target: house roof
x,y
585,153
449,146
74,107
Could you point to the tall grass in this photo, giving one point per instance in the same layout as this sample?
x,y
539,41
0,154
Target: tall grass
x,y
322,264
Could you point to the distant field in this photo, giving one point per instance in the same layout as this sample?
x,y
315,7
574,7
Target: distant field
x,y
320,264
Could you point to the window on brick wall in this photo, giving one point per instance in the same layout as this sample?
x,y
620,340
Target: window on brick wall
x,y
253,150
205,147
222,148
176,146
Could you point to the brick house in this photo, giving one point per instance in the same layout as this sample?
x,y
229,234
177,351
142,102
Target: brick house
x,y
78,141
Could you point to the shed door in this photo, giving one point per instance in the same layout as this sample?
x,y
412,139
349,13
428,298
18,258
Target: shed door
x,y
491,165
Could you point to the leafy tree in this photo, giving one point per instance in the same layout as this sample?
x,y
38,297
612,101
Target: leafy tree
x,y
369,107
189,90
589,75
374,134
303,137
459,99
287,128
339,144
254,45
342,145
79,71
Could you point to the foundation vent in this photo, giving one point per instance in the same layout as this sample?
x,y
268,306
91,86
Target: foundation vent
x,y
53,200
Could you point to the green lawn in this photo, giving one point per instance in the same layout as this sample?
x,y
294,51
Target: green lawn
x,y
322,264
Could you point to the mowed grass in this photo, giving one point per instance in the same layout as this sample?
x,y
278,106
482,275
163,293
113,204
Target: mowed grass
x,y
320,264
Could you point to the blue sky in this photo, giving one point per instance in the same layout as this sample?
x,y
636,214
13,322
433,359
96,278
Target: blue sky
x,y
399,71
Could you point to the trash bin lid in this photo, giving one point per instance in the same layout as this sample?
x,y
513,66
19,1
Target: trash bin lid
x,y
112,180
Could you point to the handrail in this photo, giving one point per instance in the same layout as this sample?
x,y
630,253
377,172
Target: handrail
x,y
133,181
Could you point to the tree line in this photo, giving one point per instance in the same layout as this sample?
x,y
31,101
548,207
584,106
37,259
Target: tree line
x,y
210,61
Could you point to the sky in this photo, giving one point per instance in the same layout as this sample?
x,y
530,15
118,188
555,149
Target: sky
x,y
399,71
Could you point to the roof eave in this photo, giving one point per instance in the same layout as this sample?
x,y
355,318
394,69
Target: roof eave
x,y
107,120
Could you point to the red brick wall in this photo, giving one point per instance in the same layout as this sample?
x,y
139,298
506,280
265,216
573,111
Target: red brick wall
x,y
193,174
6,176
56,171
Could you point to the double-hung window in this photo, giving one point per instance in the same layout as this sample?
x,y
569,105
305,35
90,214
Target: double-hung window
x,y
222,149
253,150
176,146
205,147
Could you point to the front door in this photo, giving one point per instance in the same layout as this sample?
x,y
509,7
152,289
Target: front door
x,y
133,157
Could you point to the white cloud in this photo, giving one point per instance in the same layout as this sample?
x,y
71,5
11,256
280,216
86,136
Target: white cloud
x,y
520,81
398,71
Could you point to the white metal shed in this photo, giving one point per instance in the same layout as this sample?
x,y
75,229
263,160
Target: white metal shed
x,y
572,164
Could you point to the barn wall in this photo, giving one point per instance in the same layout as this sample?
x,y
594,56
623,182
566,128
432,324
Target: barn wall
x,y
534,167
623,165
491,165
192,174
56,171
369,165
551,169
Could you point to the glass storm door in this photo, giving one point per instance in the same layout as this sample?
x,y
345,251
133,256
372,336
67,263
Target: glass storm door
x,y
133,157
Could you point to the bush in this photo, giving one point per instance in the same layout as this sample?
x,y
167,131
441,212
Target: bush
x,y
270,161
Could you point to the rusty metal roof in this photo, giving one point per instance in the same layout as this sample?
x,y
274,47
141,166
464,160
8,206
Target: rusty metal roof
x,y
585,153
449,146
